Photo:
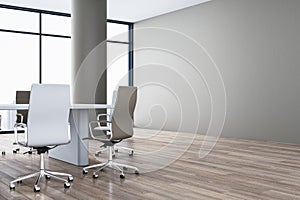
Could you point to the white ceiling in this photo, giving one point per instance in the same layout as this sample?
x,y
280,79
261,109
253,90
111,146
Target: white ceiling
x,y
124,10
137,10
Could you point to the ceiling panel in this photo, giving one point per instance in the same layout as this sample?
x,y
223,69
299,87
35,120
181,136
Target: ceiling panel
x,y
123,10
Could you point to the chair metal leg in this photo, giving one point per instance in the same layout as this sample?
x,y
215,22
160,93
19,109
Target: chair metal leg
x,y
114,166
130,150
36,185
23,178
101,168
56,174
15,143
95,166
16,135
104,148
126,167
30,151
101,150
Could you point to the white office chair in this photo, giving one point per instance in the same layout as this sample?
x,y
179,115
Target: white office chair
x,y
47,127
120,127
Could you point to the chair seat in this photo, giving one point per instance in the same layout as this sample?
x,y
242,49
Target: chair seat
x,y
21,143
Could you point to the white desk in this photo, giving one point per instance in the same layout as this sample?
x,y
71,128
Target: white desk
x,y
76,152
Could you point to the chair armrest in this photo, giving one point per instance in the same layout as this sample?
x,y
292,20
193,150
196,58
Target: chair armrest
x,y
24,126
92,125
102,115
20,125
21,117
104,121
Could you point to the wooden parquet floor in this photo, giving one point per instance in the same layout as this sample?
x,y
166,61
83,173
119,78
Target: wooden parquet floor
x,y
170,169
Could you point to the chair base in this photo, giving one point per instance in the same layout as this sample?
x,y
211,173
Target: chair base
x,y
130,150
111,164
30,151
115,149
101,150
43,173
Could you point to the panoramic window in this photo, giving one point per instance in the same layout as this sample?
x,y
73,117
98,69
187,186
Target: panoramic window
x,y
36,44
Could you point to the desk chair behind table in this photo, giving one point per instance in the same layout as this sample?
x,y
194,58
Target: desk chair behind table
x,y
22,97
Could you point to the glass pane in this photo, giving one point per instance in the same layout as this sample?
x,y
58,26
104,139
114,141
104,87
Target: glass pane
x,y
19,20
58,25
117,32
56,60
19,68
117,64
53,5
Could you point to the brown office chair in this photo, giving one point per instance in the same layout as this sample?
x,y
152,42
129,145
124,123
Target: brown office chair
x,y
120,127
22,97
108,117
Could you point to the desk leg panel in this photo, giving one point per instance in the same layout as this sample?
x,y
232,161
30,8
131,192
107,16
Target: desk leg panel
x,y
76,152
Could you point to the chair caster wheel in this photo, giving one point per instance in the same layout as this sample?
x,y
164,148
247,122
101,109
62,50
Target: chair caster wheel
x,y
67,185
12,186
36,188
15,151
97,154
85,171
30,152
137,172
95,176
70,178
19,182
131,153
122,176
3,153
117,150
48,177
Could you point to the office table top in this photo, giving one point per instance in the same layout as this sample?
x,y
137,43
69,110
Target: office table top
x,y
73,106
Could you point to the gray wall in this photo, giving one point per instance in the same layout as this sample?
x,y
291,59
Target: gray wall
x,y
256,48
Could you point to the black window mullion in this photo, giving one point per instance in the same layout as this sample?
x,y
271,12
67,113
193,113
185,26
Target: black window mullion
x,y
40,49
130,55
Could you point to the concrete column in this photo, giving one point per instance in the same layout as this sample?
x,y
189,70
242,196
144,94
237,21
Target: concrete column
x,y
89,51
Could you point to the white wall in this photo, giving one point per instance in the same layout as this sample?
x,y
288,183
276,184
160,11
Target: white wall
x,y
254,44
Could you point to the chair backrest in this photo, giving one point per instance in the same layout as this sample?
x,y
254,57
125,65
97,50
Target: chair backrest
x,y
122,115
22,97
113,102
48,115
